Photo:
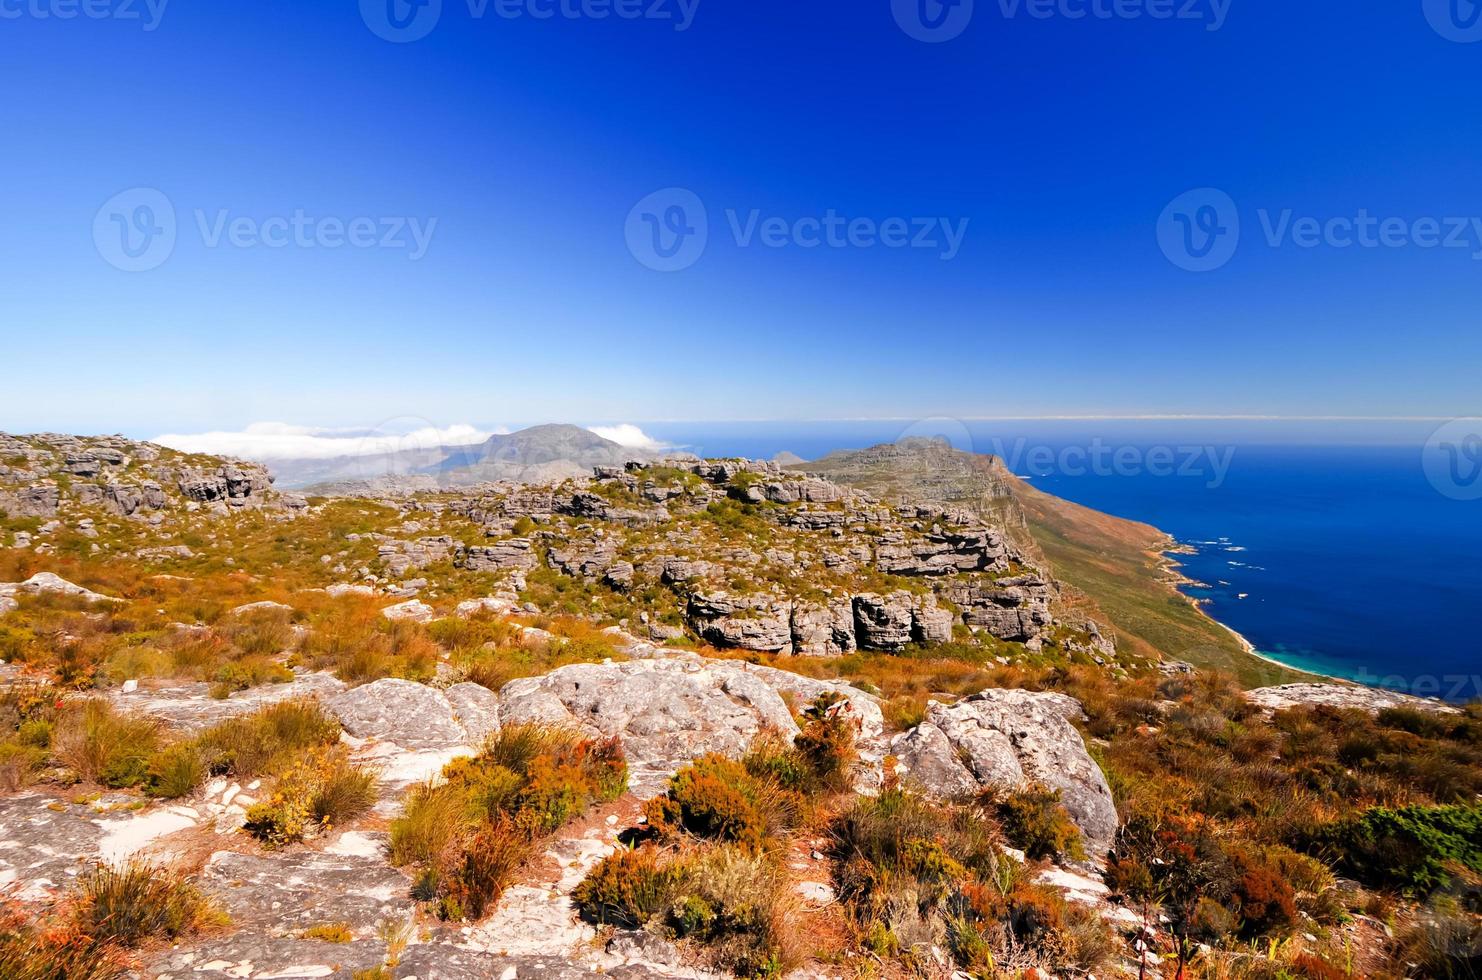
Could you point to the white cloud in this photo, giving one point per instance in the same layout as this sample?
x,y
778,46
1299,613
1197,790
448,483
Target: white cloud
x,y
627,435
279,440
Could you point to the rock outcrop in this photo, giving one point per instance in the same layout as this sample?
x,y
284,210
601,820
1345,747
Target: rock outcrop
x,y
668,711
415,716
1007,738
1340,696
49,582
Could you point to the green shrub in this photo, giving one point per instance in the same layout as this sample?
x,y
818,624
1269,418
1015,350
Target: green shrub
x,y
176,771
329,932
267,739
1034,821
826,743
1408,848
729,901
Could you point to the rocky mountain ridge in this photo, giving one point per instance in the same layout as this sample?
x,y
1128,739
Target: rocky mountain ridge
x,y
743,554
47,475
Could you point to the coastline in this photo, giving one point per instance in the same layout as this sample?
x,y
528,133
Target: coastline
x,y
1173,574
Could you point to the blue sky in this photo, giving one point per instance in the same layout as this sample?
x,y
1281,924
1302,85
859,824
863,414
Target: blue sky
x,y
520,145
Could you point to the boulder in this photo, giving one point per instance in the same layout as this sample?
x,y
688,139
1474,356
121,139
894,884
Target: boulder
x,y
476,708
670,710
1007,739
413,610
413,716
512,554
883,622
498,605
52,583
891,622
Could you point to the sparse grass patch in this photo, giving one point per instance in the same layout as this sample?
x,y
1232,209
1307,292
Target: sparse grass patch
x,y
469,831
321,790
134,902
101,744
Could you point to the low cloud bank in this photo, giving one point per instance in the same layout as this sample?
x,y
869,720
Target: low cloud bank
x,y
627,435
279,440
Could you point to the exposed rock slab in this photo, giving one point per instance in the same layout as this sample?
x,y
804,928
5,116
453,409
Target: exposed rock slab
x,y
1340,696
191,707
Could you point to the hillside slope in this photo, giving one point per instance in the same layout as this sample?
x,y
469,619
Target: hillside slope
x,y
1117,566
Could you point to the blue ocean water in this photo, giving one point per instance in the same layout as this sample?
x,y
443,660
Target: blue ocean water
x,y
1324,544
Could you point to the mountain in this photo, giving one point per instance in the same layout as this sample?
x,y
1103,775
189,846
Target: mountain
x,y
539,454
1118,569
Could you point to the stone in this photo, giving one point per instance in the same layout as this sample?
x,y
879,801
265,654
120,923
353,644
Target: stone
x,y
412,715
748,622
49,582
1008,738
512,554
272,898
884,622
264,606
191,707
413,610
823,629
669,710
497,605
476,709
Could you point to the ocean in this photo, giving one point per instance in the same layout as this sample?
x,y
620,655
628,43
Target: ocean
x,y
1331,546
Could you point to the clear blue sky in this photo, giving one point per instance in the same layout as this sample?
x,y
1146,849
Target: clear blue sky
x,y
529,140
